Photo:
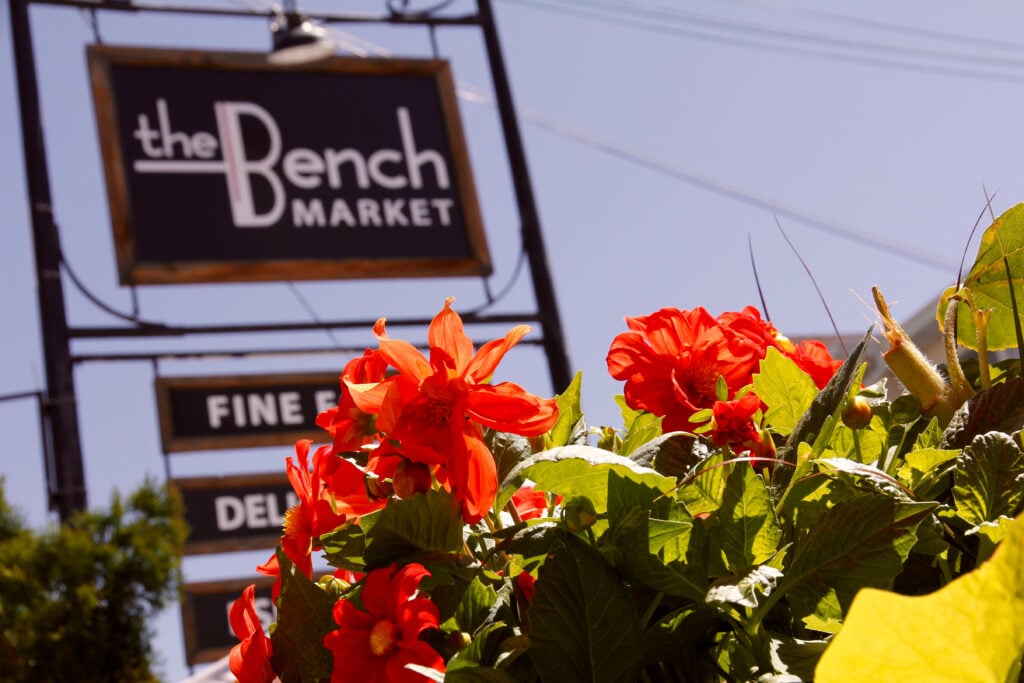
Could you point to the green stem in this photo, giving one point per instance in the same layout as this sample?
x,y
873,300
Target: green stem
x,y
649,612
1016,311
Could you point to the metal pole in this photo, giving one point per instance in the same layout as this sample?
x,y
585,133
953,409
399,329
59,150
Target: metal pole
x,y
60,418
533,240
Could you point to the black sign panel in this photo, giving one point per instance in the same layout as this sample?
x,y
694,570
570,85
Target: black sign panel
x,y
204,616
221,166
235,513
205,413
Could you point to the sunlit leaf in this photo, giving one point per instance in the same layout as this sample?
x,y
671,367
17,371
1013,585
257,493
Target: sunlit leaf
x,y
570,416
858,543
750,532
987,479
890,637
989,286
786,389
583,471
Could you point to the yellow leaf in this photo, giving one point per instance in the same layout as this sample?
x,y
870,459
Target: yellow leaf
x,y
972,630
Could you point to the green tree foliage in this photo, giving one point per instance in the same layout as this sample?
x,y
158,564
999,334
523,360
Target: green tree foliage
x,y
75,600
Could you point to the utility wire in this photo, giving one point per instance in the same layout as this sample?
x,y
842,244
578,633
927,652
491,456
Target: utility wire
x,y
476,95
874,24
620,19
640,158
663,12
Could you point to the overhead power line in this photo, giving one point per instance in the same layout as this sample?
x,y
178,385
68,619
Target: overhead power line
x,y
623,17
476,95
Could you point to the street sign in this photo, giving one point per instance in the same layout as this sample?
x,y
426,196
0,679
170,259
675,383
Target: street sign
x,y
221,166
241,512
242,411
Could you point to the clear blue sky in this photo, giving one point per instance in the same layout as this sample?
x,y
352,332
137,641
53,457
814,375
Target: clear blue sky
x,y
658,139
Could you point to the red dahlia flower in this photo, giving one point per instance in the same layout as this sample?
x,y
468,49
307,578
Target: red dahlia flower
x,y
671,361
249,661
373,644
434,408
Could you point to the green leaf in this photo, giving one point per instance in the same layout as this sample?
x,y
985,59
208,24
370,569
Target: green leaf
x,y
644,428
858,543
633,539
987,479
583,471
475,654
670,454
980,633
570,416
990,534
918,465
304,617
583,625
508,450
704,493
344,546
1000,409
474,606
988,284
824,406
425,523
786,389
750,532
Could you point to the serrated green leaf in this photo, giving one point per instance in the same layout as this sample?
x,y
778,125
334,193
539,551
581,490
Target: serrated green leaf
x,y
583,625
476,602
703,494
627,546
786,389
643,429
304,617
987,479
474,655
750,532
818,416
990,534
425,523
583,471
508,450
344,547
570,414
890,637
858,543
989,286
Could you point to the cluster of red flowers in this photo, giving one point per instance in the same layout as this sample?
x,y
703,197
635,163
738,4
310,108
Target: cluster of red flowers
x,y
423,426
676,362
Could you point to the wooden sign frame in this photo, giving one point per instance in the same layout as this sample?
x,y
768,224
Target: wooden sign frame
x,y
174,440
453,245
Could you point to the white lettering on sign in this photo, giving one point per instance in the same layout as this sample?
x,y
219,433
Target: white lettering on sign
x,y
251,511
420,212
256,409
167,150
325,399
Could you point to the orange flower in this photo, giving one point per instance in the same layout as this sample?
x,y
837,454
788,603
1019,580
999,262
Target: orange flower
x,y
314,514
373,644
435,408
349,427
671,361
249,661
733,424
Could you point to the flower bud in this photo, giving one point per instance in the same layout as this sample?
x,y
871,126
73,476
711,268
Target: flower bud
x,y
377,488
857,414
412,478
579,514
